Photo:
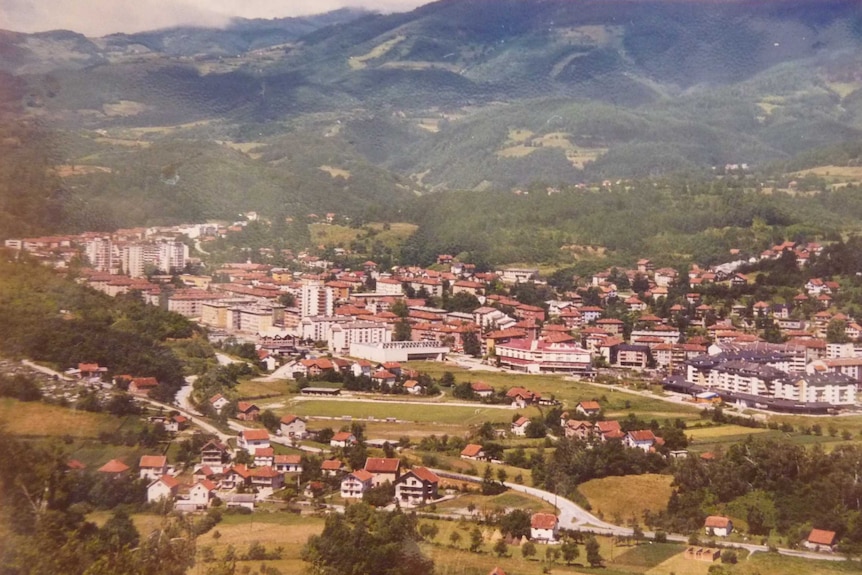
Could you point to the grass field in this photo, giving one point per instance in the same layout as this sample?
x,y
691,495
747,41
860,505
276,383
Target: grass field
x,y
853,173
625,498
39,419
615,403
464,416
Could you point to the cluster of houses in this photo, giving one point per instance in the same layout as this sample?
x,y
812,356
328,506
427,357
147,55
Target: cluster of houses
x,y
817,539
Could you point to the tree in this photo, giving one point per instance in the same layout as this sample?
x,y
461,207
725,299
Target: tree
x,y
447,379
500,547
836,331
472,345
552,554
476,539
270,420
594,558
287,299
516,524
729,556
570,551
380,496
362,539
528,549
403,331
454,538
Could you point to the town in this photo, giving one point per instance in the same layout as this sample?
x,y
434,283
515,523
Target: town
x,y
313,345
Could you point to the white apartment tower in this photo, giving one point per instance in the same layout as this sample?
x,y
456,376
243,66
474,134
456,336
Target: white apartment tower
x,y
100,253
316,299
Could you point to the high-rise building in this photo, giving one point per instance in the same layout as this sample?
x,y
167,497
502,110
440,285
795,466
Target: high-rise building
x,y
316,299
100,253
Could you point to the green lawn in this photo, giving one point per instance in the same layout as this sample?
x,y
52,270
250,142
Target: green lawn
x,y
615,403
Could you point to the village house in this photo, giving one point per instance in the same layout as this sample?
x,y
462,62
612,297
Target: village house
x,y
544,528
355,484
342,439
218,402
575,429
264,456
201,494
473,452
641,439
163,488
383,469
215,456
718,526
142,386
267,477
291,463
821,540
332,467
251,440
589,408
522,397
417,486
246,411
481,389
293,427
413,387
153,466
519,426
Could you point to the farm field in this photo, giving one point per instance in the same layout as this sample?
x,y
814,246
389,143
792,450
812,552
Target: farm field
x,y
620,499
37,419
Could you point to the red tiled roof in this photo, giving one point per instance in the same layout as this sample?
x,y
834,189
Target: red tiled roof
x,y
717,521
471,450
288,459
254,434
331,465
362,475
114,466
245,406
590,405
382,464
425,474
153,461
821,537
642,435
288,419
264,452
543,521
342,436
480,386
169,481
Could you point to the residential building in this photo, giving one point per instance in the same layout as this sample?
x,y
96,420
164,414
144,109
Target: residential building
x,y
383,469
417,486
544,528
718,526
355,484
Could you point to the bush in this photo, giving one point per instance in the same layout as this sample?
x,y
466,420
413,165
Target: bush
x,y
729,556
660,537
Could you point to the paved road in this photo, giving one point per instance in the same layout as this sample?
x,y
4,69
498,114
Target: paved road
x,y
474,405
573,516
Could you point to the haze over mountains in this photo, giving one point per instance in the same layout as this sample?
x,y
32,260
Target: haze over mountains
x,y
351,109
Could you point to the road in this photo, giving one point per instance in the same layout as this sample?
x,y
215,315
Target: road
x,y
573,516
473,405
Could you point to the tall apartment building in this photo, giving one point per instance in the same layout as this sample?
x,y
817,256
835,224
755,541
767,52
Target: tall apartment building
x,y
316,299
100,253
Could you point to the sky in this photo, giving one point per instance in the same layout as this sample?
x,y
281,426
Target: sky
x,y
100,17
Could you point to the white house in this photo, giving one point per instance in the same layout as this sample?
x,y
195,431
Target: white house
x,y
153,466
165,487
356,484
519,426
252,439
201,494
342,439
544,527
718,526
218,401
288,463
642,439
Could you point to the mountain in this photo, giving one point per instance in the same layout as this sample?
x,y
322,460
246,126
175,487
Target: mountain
x,y
469,94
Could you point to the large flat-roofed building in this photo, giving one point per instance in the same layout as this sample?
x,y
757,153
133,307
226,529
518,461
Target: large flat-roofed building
x,y
535,356
342,336
399,351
